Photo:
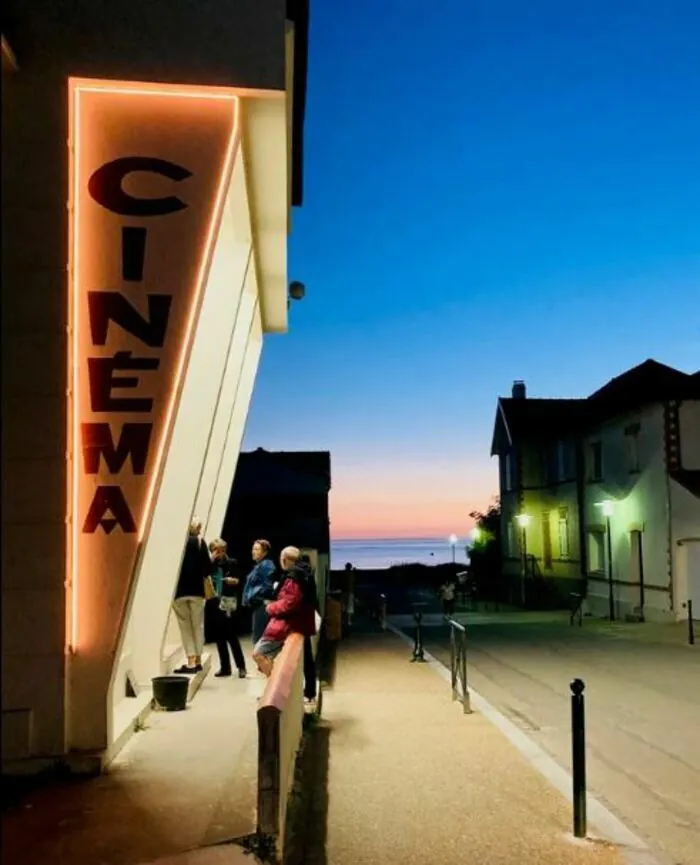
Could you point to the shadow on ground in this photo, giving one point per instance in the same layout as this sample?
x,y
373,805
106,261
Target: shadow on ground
x,y
326,662
307,815
16,791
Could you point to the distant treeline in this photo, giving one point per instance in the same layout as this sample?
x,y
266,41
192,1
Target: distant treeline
x,y
406,575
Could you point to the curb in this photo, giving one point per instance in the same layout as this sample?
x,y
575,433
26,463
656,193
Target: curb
x,y
610,828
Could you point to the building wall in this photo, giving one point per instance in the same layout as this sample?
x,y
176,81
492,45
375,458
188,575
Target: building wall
x,y
641,503
34,443
45,713
219,381
685,531
167,40
543,503
510,544
547,507
689,424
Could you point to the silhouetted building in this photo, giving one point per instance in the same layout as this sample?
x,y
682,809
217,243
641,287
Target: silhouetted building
x,y
281,496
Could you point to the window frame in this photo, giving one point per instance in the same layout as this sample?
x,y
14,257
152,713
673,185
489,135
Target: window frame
x,y
632,444
599,537
561,460
508,472
510,538
595,473
563,521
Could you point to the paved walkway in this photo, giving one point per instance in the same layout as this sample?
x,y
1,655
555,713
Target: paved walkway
x,y
413,780
187,781
642,710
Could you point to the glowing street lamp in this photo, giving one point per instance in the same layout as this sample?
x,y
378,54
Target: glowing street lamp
x,y
523,520
453,539
608,506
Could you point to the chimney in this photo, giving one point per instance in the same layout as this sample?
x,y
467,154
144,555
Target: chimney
x,y
519,390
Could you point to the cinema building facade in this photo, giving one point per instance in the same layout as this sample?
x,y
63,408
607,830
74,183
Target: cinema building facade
x,y
151,157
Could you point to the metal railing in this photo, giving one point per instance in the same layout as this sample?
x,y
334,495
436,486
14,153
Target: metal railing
x,y
418,655
458,664
691,626
576,609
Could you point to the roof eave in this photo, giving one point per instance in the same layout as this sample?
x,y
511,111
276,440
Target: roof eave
x,y
298,15
500,412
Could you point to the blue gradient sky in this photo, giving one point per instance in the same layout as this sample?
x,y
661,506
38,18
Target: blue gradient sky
x,y
494,190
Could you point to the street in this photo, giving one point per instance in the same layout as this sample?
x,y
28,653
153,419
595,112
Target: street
x,y
642,710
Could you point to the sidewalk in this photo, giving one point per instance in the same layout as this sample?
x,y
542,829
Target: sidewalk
x,y
413,780
187,781
670,633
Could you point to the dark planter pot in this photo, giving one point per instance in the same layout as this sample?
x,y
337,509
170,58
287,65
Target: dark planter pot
x,y
170,693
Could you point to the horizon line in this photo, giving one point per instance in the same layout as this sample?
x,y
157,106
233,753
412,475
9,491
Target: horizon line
x,y
442,538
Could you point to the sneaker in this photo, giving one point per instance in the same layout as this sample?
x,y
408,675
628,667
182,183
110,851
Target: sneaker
x,y
197,669
222,674
184,669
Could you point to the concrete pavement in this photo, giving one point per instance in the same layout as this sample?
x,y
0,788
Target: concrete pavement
x,y
643,711
413,780
187,781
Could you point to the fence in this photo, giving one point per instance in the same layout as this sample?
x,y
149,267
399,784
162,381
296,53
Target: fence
x,y
691,624
418,655
458,664
576,609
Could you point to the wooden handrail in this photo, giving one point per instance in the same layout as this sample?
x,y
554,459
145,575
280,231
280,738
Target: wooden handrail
x,y
280,720
279,685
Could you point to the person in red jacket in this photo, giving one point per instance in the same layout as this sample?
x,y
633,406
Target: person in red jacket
x,y
292,611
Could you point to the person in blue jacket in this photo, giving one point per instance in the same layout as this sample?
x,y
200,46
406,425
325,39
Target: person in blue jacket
x,y
260,587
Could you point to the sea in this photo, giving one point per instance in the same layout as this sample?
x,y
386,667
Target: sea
x,y
383,553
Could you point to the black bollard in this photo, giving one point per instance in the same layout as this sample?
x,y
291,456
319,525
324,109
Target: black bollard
x,y
691,627
578,756
382,612
418,639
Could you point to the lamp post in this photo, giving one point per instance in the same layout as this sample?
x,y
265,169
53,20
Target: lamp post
x,y
607,506
453,543
523,520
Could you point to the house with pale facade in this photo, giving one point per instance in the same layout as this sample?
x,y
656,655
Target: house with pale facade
x,y
536,440
601,495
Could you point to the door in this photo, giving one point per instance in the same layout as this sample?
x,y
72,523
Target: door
x,y
693,571
635,553
636,566
546,541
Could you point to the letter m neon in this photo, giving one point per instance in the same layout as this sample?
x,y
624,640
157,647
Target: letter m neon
x,y
133,442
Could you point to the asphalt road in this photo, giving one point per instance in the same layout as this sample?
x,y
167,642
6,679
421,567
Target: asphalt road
x,y
642,708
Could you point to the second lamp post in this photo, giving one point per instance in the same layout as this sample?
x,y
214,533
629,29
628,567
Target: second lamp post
x,y
453,539
523,520
607,508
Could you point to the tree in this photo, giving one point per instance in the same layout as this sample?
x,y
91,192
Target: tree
x,y
488,523
485,556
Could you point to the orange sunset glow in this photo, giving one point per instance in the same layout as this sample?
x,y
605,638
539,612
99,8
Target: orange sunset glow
x,y
388,503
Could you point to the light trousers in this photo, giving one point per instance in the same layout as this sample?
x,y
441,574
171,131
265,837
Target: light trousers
x,y
189,613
